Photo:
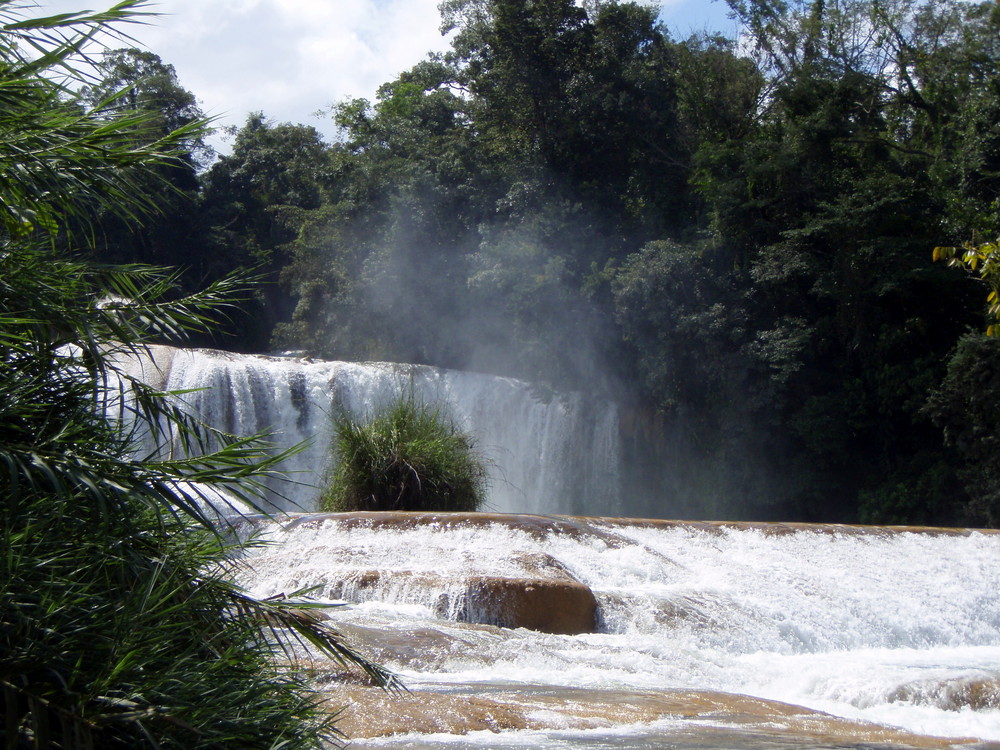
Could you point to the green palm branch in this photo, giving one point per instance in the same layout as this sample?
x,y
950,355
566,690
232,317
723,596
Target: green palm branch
x,y
120,625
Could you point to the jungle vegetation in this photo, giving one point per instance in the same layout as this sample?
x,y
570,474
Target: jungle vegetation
x,y
733,238
120,626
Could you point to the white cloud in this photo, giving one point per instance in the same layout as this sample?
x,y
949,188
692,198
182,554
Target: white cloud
x,y
290,58
287,58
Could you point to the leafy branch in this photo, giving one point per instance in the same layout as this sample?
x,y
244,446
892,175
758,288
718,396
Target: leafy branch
x,y
983,261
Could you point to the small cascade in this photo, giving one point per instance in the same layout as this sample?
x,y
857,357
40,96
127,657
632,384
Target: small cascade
x,y
550,452
729,587
887,626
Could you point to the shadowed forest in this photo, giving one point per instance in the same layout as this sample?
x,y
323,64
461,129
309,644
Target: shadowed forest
x,y
733,239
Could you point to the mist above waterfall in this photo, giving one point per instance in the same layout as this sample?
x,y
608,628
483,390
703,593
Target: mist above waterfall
x,y
497,301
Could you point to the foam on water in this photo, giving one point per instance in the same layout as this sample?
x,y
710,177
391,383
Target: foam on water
x,y
883,627
554,739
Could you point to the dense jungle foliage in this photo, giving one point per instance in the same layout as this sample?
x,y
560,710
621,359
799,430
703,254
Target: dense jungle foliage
x,y
732,238
119,624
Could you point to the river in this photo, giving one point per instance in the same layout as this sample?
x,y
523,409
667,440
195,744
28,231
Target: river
x,y
705,635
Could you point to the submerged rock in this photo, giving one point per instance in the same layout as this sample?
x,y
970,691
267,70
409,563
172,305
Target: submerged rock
x,y
681,719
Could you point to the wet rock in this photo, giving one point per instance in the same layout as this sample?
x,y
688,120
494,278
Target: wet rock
x,y
561,606
556,603
957,694
420,648
687,720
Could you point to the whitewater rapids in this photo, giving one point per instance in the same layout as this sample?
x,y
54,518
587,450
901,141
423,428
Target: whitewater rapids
x,y
874,627
704,635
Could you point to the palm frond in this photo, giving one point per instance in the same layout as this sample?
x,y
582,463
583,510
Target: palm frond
x,y
118,625
291,620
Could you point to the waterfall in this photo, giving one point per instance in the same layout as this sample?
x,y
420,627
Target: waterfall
x,y
684,635
550,452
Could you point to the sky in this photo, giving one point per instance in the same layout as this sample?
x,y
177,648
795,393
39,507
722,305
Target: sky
x,y
292,59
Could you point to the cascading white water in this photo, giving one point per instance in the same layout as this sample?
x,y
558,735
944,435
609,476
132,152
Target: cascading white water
x,y
551,452
898,628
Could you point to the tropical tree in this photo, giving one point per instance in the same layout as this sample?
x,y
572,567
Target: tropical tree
x,y
966,407
135,82
119,624
250,202
380,269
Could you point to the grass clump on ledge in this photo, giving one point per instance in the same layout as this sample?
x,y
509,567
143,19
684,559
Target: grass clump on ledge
x,y
407,456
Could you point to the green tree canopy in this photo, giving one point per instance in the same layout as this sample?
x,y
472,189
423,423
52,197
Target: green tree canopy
x,y
730,235
137,84
251,200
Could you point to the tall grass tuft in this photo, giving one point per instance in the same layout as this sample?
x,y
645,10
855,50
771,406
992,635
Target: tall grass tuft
x,y
407,456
